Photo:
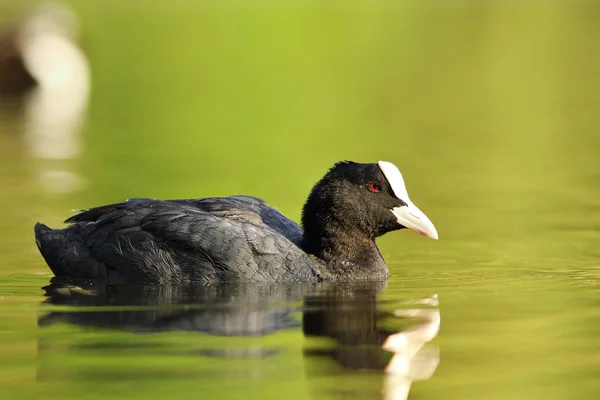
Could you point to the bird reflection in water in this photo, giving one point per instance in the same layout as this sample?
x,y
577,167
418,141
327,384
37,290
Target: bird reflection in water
x,y
364,336
46,78
221,310
359,334
412,358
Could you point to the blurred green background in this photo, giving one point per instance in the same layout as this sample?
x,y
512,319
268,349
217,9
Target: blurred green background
x,y
489,108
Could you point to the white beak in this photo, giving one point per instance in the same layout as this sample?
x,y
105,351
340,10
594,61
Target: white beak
x,y
413,218
408,216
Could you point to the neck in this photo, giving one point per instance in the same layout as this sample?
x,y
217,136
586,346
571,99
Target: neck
x,y
345,252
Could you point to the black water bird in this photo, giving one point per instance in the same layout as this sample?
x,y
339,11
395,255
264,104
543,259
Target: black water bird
x,y
240,238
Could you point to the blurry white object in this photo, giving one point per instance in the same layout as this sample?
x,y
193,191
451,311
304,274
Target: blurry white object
x,y
55,107
413,359
59,180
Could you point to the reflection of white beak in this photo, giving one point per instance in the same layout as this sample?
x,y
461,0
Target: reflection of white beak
x,y
409,215
413,357
413,218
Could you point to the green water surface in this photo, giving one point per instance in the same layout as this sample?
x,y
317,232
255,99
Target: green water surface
x,y
489,109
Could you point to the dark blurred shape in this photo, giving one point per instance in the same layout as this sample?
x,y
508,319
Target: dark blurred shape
x,y
224,310
46,78
348,314
14,77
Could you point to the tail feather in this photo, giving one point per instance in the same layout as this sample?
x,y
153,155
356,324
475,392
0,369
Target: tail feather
x,y
66,253
40,229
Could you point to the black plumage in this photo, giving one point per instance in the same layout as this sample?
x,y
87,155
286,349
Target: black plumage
x,y
238,238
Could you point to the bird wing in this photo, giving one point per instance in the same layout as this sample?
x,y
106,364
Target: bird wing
x,y
166,241
253,210
236,208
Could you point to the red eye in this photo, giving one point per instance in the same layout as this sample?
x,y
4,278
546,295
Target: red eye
x,y
374,187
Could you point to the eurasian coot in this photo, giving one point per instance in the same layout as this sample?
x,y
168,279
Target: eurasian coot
x,y
240,238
